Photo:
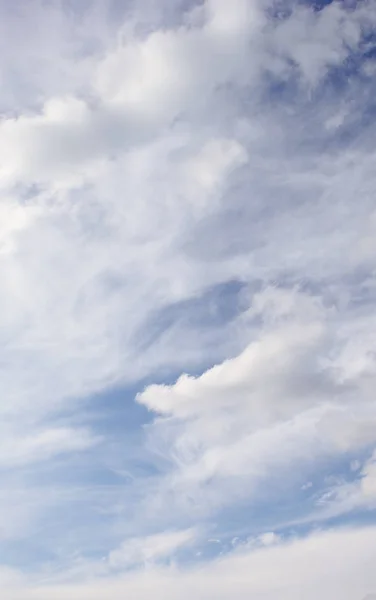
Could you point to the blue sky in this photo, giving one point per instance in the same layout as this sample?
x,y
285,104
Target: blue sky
x,y
187,271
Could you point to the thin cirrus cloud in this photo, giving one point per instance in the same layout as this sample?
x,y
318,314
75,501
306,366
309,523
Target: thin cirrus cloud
x,y
186,310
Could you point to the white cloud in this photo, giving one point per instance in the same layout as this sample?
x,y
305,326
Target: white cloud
x,y
344,496
327,564
316,41
143,168
265,415
151,549
368,481
22,449
170,72
269,538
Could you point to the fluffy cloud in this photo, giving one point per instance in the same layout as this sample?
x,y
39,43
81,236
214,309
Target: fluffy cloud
x,y
275,409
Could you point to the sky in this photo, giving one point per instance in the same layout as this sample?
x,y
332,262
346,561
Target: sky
x,y
187,294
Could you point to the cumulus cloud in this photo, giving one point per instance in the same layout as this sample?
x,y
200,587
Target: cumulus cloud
x,y
281,404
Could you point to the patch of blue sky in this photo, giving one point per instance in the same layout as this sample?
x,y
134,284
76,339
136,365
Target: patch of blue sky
x,y
216,306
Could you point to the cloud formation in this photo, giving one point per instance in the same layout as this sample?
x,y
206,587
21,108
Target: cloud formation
x,y
187,347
